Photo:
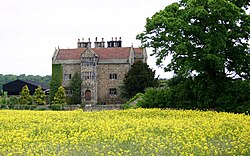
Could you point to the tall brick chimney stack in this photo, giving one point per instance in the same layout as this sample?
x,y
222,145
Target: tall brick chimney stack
x,y
116,43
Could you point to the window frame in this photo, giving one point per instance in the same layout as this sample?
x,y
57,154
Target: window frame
x,y
113,76
88,75
88,61
67,77
112,92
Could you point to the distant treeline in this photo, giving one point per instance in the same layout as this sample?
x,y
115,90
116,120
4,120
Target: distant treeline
x,y
36,78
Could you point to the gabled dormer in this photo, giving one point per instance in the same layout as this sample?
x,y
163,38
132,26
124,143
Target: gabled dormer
x,y
89,58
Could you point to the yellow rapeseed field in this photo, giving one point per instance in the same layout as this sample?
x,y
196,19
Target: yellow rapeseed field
x,y
127,132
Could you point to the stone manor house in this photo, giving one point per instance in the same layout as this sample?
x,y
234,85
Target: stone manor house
x,y
102,68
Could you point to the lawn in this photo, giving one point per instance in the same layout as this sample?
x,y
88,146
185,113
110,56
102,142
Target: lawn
x,y
127,132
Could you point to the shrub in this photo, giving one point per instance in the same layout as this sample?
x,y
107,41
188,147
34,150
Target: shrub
x,y
155,98
25,97
60,97
39,96
56,107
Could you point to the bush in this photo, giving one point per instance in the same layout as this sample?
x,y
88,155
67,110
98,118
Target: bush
x,y
25,97
56,107
132,103
60,97
192,93
155,98
39,96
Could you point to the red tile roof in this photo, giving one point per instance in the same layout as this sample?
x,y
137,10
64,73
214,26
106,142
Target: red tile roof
x,y
70,54
103,53
112,53
138,50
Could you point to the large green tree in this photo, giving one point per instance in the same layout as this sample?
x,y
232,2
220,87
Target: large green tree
x,y
207,40
138,78
207,37
75,88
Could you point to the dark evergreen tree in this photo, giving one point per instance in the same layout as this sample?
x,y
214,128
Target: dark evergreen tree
x,y
75,88
138,78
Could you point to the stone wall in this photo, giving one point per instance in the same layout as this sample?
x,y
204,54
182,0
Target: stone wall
x,y
69,69
105,83
101,107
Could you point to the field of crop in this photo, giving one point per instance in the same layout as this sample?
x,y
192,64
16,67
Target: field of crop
x,y
128,132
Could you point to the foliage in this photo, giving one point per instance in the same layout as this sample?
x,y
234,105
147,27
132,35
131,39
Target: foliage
x,y
204,36
60,97
208,41
182,93
155,98
56,107
132,103
25,97
3,99
127,132
13,100
39,96
56,80
35,78
75,88
138,78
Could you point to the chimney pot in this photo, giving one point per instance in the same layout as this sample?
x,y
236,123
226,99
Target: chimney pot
x,y
120,38
89,39
96,39
115,38
78,40
83,39
112,38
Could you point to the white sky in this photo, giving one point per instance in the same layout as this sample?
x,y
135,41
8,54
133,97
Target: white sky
x,y
31,29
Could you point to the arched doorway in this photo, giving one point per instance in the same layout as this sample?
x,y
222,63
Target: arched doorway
x,y
87,95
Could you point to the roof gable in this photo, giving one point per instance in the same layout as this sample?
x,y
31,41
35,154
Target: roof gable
x,y
16,86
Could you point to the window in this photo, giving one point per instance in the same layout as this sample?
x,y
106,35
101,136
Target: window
x,y
88,75
68,92
112,76
67,76
112,92
88,61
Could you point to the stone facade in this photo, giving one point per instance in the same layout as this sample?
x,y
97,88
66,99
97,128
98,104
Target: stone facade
x,y
110,76
102,69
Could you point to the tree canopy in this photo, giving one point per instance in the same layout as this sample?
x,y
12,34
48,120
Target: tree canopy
x,y
208,43
138,78
208,37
